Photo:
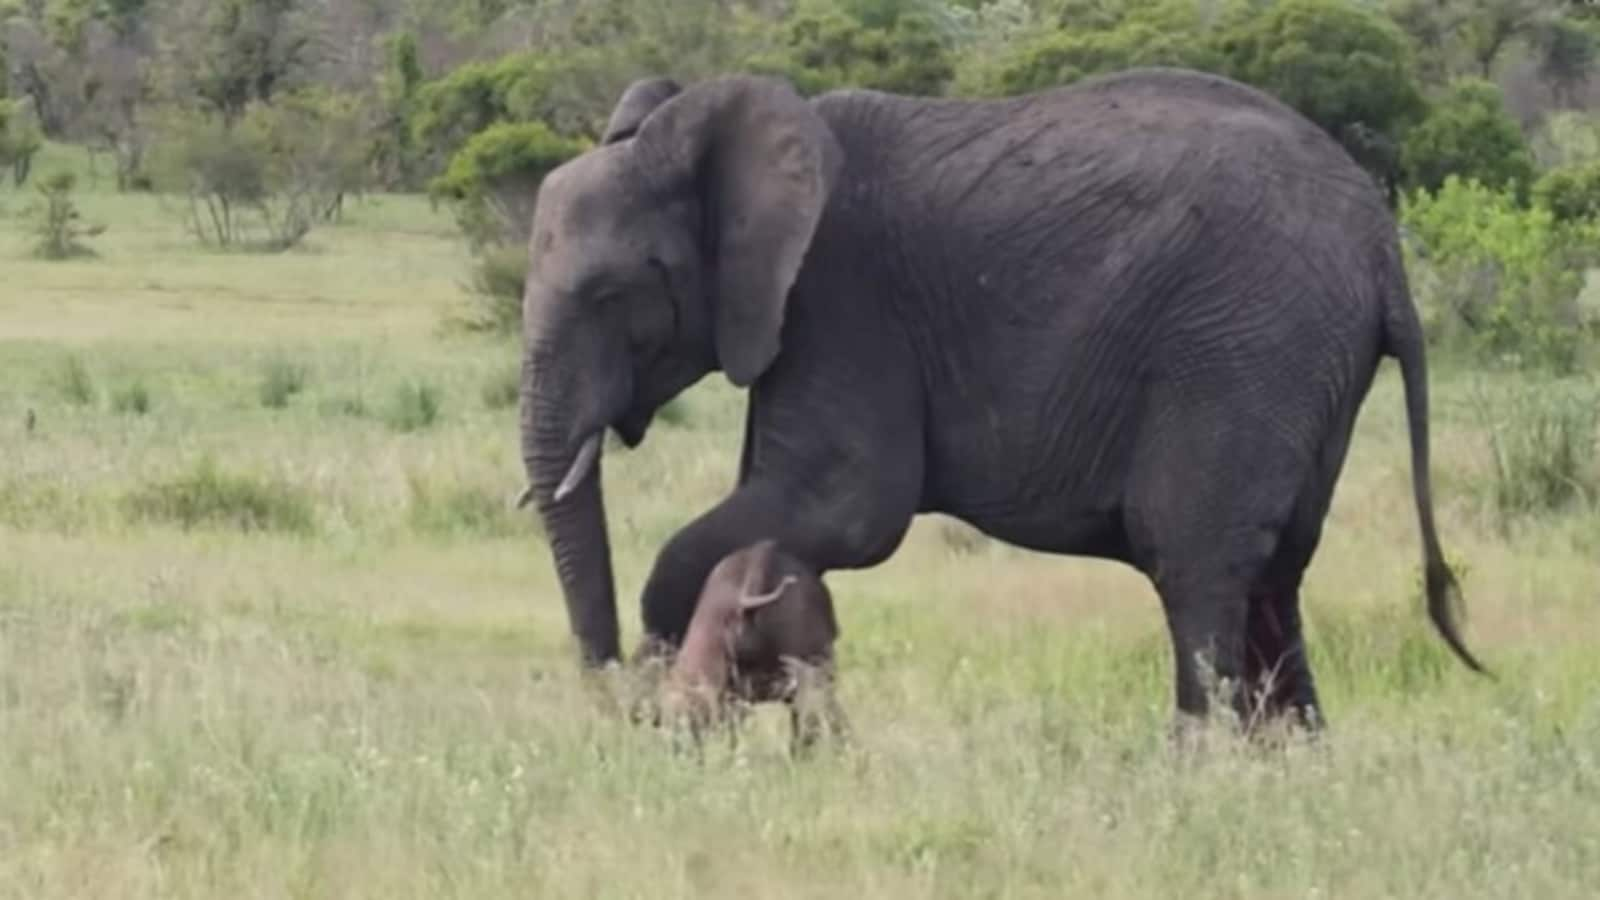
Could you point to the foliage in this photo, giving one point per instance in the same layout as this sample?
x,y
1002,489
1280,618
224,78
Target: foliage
x,y
492,183
267,179
20,140
1469,134
1571,193
1499,277
238,53
57,224
1344,66
495,175
1108,38
1567,138
898,47
1567,53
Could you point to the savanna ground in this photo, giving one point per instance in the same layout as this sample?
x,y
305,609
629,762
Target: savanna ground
x,y
268,628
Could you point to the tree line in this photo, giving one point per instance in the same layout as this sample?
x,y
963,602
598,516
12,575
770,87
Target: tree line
x,y
266,115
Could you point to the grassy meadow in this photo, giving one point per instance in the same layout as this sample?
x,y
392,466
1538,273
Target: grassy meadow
x,y
268,628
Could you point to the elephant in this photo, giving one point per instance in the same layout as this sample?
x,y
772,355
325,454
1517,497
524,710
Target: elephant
x,y
1133,318
763,631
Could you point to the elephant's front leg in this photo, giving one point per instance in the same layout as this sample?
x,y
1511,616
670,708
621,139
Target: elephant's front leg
x,y
858,528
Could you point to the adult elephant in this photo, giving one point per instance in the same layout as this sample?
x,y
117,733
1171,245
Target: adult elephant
x,y
1132,319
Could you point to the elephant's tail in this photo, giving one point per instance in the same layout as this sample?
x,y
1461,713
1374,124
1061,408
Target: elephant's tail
x,y
1403,340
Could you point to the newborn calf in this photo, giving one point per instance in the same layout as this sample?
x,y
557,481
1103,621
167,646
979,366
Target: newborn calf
x,y
763,631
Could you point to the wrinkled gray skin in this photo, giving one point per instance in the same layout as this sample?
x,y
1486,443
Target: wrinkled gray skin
x,y
1133,319
763,631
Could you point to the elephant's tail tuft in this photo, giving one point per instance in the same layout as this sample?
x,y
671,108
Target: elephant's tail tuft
x,y
1403,340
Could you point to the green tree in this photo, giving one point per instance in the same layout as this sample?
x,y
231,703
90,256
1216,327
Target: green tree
x,y
898,47
1571,193
1107,37
1469,133
1345,67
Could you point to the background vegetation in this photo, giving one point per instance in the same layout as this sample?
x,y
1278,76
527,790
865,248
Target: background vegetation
x,y
268,626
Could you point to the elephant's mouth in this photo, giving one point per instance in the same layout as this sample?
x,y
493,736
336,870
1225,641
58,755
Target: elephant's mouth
x,y
631,427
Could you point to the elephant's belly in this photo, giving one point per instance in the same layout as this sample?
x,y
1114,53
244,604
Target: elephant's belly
x,y
1099,534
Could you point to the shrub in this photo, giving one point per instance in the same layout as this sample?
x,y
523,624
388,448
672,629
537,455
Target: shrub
x,y
57,223
503,388
265,181
1501,278
1571,193
1542,442
495,176
206,497
133,399
1095,39
1469,134
280,381
415,406
1347,68
492,183
74,383
898,47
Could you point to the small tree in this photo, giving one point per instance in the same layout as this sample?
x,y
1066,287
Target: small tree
x,y
1501,278
1469,134
20,140
267,180
898,47
56,220
1345,67
1571,194
492,182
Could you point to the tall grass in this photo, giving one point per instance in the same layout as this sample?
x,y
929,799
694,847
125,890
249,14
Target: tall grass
x,y
250,655
205,496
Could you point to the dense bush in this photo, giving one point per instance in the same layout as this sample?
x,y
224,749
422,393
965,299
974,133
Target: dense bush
x,y
1095,39
492,183
1345,66
1571,193
1500,278
1470,135
899,47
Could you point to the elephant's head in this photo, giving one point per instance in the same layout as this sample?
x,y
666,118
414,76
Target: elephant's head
x,y
664,253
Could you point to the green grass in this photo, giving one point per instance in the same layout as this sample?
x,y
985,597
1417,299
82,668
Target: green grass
x,y
306,651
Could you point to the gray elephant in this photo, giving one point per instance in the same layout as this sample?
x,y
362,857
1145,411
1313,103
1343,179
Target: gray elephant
x,y
1133,319
763,631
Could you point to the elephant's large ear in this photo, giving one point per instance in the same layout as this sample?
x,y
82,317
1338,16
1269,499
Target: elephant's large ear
x,y
637,102
765,163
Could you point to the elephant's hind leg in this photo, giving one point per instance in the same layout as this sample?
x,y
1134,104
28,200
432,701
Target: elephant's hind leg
x,y
1278,679
1207,509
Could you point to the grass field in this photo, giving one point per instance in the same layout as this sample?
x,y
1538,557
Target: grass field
x,y
267,629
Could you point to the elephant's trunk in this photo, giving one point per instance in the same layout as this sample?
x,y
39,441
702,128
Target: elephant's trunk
x,y
572,508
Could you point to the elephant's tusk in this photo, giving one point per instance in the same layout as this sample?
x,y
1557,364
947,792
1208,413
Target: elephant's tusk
x,y
582,465
753,601
524,498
